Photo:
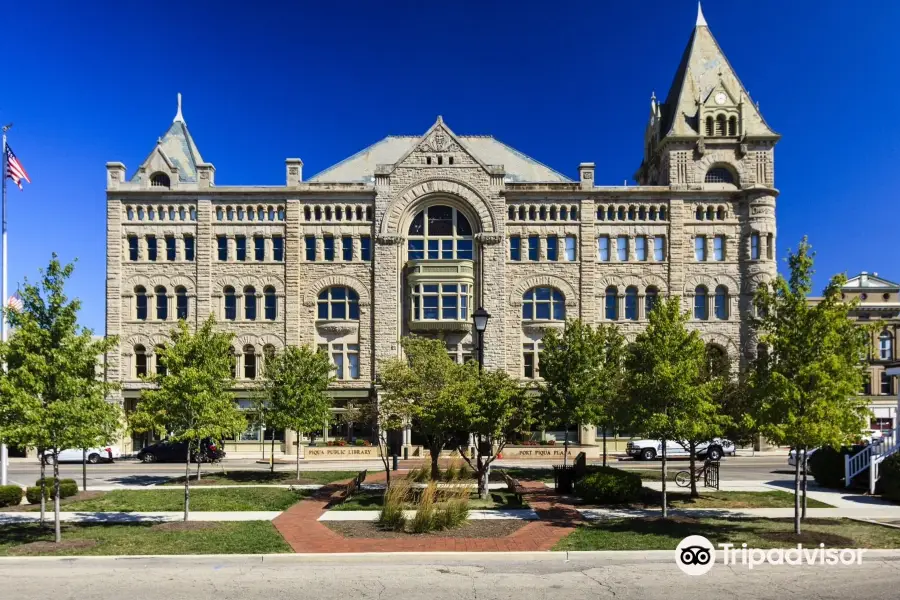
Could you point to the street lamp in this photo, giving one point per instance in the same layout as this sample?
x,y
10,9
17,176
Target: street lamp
x,y
480,318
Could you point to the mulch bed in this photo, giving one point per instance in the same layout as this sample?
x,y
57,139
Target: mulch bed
x,y
490,528
183,526
47,547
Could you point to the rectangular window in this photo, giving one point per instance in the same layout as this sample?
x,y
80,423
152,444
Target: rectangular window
x,y
278,248
659,248
700,248
189,248
240,244
415,249
571,249
885,384
719,247
151,247
640,247
534,243
622,248
132,248
528,362
603,248
552,248
310,248
754,246
770,245
353,361
170,248
365,248
337,358
222,244
515,248
259,248
329,248
347,248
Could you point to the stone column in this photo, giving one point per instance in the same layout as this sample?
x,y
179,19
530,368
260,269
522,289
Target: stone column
x,y
290,438
204,249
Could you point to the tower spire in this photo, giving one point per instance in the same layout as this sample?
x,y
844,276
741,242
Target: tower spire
x,y
178,115
701,20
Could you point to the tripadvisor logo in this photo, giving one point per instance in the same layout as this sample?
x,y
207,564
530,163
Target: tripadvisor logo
x,y
696,555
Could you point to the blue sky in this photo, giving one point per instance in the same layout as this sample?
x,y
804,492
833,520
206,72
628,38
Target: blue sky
x,y
563,82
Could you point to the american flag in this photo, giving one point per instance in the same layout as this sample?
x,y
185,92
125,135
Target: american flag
x,y
15,302
14,169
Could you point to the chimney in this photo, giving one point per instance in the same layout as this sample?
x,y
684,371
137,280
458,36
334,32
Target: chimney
x,y
294,168
863,278
586,175
115,175
206,175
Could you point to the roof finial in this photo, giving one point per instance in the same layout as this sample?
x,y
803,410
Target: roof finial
x,y
440,119
701,20
178,115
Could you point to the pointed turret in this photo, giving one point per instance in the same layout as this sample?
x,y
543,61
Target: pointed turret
x,y
174,151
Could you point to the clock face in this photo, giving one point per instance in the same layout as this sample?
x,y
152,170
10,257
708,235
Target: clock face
x,y
721,98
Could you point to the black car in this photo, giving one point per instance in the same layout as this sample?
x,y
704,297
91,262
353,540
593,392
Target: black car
x,y
171,451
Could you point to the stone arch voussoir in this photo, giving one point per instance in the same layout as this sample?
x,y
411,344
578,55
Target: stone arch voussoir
x,y
525,284
422,190
356,285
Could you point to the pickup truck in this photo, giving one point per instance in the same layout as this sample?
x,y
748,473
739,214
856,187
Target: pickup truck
x,y
650,449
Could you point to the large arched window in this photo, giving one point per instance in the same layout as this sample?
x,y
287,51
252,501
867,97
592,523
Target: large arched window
x,y
885,346
249,362
140,303
440,233
140,361
717,364
721,302
160,361
701,310
181,302
543,304
338,303
250,303
159,180
271,303
650,298
631,307
162,303
719,175
230,304
612,303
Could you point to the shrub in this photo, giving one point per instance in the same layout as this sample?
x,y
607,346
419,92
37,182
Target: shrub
x,y
395,499
419,474
454,510
827,465
607,485
67,487
890,477
423,521
10,495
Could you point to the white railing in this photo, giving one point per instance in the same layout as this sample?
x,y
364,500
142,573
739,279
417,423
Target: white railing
x,y
870,458
888,446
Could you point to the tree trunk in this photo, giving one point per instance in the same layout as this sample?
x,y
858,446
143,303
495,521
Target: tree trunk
x,y
692,450
665,508
84,469
566,447
199,460
43,487
187,482
56,528
297,433
435,451
805,471
797,491
604,446
272,452
483,469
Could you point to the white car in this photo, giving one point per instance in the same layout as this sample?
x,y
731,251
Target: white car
x,y
94,455
792,457
650,449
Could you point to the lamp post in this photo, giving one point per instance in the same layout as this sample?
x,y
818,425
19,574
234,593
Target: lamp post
x,y
480,318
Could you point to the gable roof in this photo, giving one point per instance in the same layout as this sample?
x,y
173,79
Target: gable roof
x,y
870,281
704,66
178,148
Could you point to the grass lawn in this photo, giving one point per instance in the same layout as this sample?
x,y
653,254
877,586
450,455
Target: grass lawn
x,y
658,534
144,538
372,501
770,499
266,477
201,500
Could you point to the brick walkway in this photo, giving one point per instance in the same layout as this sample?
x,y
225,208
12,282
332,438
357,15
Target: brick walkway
x,y
301,529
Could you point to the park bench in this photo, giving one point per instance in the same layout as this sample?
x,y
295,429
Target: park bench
x,y
351,487
514,487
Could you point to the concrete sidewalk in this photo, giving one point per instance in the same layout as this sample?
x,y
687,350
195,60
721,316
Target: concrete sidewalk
x,y
601,514
7,518
517,514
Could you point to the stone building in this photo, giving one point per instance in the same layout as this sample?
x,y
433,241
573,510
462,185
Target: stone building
x,y
413,233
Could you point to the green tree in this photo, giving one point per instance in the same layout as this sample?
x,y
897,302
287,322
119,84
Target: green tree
x,y
496,408
811,365
192,399
668,392
428,385
295,390
583,371
52,396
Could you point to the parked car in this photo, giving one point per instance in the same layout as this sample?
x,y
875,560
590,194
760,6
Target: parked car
x,y
94,455
792,458
170,451
650,449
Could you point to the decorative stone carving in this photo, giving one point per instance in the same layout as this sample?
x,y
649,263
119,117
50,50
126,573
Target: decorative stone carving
x,y
293,170
389,239
701,146
489,239
540,327
337,327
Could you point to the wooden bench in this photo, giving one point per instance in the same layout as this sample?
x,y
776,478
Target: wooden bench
x,y
514,487
352,487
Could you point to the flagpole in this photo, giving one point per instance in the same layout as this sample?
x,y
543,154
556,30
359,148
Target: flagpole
x,y
4,451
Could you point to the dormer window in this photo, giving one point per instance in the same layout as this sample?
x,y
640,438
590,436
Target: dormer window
x,y
159,180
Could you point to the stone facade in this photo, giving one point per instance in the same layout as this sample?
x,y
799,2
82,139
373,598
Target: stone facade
x,y
707,173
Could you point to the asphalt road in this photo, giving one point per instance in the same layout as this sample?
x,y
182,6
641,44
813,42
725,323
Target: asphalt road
x,y
131,472
413,577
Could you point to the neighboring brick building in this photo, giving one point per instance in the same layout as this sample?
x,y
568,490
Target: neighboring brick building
x,y
413,233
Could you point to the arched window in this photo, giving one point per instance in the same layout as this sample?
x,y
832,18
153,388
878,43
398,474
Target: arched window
x,y
338,303
140,303
885,346
552,213
721,302
229,213
181,303
662,213
710,128
532,213
220,214
652,213
271,303
699,214
563,213
621,215
709,213
440,233
650,298
230,303
717,364
612,303
631,213
159,180
720,125
642,213
368,213
701,310
250,303
543,304
631,308
511,213
249,362
162,303
140,361
719,175
732,126
610,214
573,213
521,213
543,213
359,213
720,213
160,361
